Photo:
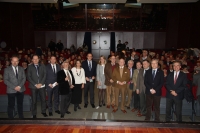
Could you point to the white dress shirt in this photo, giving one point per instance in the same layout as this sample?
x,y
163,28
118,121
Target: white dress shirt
x,y
67,71
79,79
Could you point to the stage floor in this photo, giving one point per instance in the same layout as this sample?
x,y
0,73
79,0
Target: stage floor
x,y
88,129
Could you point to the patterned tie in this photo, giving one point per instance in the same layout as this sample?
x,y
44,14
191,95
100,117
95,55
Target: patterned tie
x,y
90,66
16,73
70,83
37,70
175,79
154,73
130,73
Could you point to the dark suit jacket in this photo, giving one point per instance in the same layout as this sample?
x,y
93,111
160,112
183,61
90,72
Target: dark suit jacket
x,y
32,75
179,87
196,81
86,69
50,76
156,84
108,72
64,87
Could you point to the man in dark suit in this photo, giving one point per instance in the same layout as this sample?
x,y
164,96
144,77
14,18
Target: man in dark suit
x,y
52,45
175,84
196,81
119,46
59,46
66,83
134,58
36,75
14,78
89,67
51,85
154,80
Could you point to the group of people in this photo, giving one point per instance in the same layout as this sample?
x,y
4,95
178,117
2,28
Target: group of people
x,y
140,78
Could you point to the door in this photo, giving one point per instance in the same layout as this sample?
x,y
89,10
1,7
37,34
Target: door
x,y
100,44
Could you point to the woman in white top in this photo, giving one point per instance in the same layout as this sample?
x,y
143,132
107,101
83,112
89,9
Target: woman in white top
x,y
79,76
100,77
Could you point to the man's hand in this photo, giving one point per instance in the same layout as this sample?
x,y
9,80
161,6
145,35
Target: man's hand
x,y
66,79
17,88
87,79
50,85
71,86
137,91
82,87
173,93
93,77
152,91
111,81
39,86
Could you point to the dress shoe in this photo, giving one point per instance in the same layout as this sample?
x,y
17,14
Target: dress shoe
x,y
62,116
133,110
115,110
34,117
57,111
50,114
44,114
140,115
100,105
67,112
79,107
85,106
124,111
104,104
93,106
113,106
108,106
128,108
75,108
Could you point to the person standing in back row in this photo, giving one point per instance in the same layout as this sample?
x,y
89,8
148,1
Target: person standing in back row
x,y
89,67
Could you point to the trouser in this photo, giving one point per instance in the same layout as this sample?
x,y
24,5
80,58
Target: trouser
x,y
11,104
136,100
65,102
178,109
142,101
42,94
53,93
117,92
89,86
128,93
110,91
150,100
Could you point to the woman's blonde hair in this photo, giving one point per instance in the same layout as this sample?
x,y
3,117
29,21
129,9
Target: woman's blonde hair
x,y
103,58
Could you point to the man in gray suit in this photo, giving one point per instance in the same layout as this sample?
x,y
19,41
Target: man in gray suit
x,y
196,81
36,76
140,88
14,78
51,85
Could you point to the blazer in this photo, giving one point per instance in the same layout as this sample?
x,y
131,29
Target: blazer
x,y
108,73
140,81
134,79
32,75
131,79
117,77
100,75
86,69
196,81
11,81
64,87
50,76
155,83
179,87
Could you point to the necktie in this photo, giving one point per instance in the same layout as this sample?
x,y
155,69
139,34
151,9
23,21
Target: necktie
x,y
121,71
176,76
37,70
154,73
70,83
130,73
54,71
16,73
144,73
90,66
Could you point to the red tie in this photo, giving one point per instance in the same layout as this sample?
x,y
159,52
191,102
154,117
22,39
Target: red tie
x,y
176,76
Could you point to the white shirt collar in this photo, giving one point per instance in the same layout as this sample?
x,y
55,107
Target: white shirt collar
x,y
121,66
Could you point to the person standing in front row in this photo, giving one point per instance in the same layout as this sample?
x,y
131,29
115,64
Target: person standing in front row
x,y
89,67
120,76
51,84
129,88
176,83
79,76
36,75
101,80
110,90
66,83
154,80
14,78
141,89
